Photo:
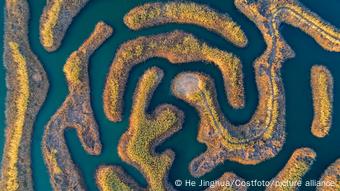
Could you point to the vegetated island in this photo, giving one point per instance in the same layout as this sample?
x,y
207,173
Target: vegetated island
x,y
153,14
322,91
268,15
260,139
294,13
113,178
330,179
146,131
227,183
27,87
296,167
137,145
178,47
76,112
55,20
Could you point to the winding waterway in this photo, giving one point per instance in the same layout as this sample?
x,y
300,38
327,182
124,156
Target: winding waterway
x,y
295,74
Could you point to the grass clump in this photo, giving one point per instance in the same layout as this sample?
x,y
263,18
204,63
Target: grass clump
x,y
152,14
322,90
145,131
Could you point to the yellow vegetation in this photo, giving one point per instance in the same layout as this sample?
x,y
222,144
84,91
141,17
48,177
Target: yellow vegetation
x,y
331,177
110,179
72,69
322,89
151,14
48,27
296,167
227,183
76,65
295,14
136,145
178,47
215,131
15,130
51,157
75,112
325,34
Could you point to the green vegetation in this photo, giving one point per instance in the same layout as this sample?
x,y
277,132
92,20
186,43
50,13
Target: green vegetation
x,y
322,89
145,131
296,167
179,48
152,14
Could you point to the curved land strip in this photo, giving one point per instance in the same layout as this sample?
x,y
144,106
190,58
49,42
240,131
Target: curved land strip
x,y
267,15
153,14
27,86
263,136
55,20
294,13
76,112
322,90
260,139
113,178
330,176
146,131
296,167
179,48
225,183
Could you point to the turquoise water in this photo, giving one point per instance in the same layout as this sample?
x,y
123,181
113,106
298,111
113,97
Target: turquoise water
x,y
295,74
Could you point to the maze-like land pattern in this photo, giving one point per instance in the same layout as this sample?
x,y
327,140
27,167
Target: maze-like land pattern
x,y
259,139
